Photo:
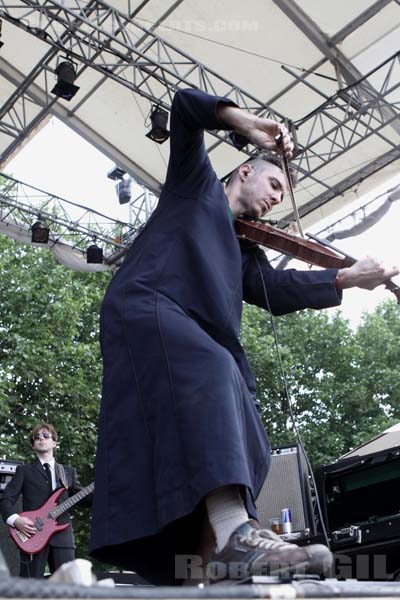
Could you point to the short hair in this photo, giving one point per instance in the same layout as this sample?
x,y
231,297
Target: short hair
x,y
258,160
50,428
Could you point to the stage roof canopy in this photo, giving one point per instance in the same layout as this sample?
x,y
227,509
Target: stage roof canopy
x,y
331,70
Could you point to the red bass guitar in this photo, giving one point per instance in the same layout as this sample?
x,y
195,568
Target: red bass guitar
x,y
45,520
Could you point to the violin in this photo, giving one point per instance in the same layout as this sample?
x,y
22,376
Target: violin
x,y
311,252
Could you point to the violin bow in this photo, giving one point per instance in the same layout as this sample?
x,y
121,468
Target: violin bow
x,y
286,171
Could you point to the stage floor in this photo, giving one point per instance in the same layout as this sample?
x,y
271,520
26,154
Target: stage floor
x,y
257,587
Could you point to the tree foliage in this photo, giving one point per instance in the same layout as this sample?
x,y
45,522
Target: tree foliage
x,y
344,385
50,364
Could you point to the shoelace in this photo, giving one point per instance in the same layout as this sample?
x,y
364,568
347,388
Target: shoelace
x,y
263,538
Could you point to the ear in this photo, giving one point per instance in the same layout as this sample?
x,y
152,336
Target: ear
x,y
244,171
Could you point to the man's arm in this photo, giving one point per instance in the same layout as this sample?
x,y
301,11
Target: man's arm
x,y
7,504
192,112
290,290
287,290
263,133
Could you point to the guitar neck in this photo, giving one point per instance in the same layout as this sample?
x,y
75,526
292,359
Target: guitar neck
x,y
70,502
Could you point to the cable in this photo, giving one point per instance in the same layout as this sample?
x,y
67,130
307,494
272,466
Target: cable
x,y
292,417
232,47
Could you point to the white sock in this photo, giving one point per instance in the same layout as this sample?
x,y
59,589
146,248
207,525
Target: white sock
x,y
226,512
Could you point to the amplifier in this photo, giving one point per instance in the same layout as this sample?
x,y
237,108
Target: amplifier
x,y
360,498
8,549
287,486
7,471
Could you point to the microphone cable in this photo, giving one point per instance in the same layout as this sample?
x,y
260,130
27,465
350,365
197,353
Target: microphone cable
x,y
289,404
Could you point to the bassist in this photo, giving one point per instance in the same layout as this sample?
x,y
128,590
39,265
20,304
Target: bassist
x,y
35,482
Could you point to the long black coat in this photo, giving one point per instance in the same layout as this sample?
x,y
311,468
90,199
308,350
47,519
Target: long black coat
x,y
30,480
177,416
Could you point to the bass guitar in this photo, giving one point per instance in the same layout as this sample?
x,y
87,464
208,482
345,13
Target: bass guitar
x,y
45,520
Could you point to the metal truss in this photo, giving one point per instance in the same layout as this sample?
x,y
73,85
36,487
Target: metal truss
x,y
348,118
114,44
141,207
101,37
70,223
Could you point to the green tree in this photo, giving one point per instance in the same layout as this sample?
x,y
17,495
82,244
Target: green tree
x,y
50,363
378,336
336,404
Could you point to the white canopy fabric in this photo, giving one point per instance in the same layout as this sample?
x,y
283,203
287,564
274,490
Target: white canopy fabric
x,y
292,56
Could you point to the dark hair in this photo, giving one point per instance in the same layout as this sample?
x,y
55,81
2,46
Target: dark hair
x,y
38,427
258,160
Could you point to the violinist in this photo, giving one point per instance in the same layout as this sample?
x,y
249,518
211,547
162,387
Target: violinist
x,y
182,452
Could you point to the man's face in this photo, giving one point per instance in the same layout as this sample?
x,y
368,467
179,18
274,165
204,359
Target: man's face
x,y
262,187
43,441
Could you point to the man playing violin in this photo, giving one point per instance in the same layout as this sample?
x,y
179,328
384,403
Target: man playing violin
x,y
182,452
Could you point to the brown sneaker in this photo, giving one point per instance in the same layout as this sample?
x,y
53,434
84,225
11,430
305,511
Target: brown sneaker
x,y
252,551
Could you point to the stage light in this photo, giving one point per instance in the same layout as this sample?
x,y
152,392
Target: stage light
x,y
116,173
159,119
66,75
123,189
94,254
40,233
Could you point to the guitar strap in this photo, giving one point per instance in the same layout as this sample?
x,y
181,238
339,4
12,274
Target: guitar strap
x,y
61,475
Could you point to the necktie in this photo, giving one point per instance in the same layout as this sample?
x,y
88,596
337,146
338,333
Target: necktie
x,y
48,475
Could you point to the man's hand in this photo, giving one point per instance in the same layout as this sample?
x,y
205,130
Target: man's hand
x,y
266,134
25,525
366,273
270,135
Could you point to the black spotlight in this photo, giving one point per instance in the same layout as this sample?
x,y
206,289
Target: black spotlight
x,y
159,119
124,192
116,173
94,254
66,76
40,233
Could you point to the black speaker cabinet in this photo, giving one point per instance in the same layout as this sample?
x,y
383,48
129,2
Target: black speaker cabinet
x,y
8,549
287,486
362,492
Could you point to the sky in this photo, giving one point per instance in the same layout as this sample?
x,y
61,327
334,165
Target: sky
x,y
59,161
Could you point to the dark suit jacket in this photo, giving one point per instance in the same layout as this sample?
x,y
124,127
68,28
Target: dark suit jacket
x,y
30,480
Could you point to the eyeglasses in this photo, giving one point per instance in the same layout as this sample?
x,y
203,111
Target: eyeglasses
x,y
44,435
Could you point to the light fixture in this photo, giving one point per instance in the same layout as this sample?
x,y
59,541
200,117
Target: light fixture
x,y
123,189
40,233
66,75
159,119
116,173
94,254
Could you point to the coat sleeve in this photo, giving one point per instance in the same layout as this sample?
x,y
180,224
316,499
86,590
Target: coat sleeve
x,y
11,493
287,290
192,112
